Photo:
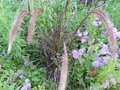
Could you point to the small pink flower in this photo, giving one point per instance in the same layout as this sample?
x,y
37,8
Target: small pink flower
x,y
92,88
81,51
43,86
104,33
99,22
116,33
104,49
10,80
85,33
21,76
96,63
55,14
106,84
117,65
87,55
73,13
112,80
83,41
27,80
110,75
51,3
75,54
0,66
100,2
79,34
96,22
26,85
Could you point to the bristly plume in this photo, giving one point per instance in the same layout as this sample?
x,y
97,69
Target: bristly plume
x,y
64,70
109,27
17,23
31,6
32,24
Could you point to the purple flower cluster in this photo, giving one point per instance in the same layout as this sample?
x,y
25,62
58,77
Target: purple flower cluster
x,y
96,22
57,55
51,3
21,76
18,75
117,65
26,85
25,60
100,2
73,12
85,33
104,49
43,86
105,84
84,36
79,34
104,33
110,75
116,33
55,14
112,80
10,80
100,60
77,53
92,88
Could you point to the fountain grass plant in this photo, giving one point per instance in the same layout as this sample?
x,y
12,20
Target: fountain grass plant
x,y
54,40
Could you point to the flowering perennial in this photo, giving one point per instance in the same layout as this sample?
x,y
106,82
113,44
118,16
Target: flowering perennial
x,y
106,84
92,88
26,85
78,53
96,22
100,60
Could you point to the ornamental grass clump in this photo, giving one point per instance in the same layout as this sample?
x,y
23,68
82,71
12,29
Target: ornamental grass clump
x,y
51,43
